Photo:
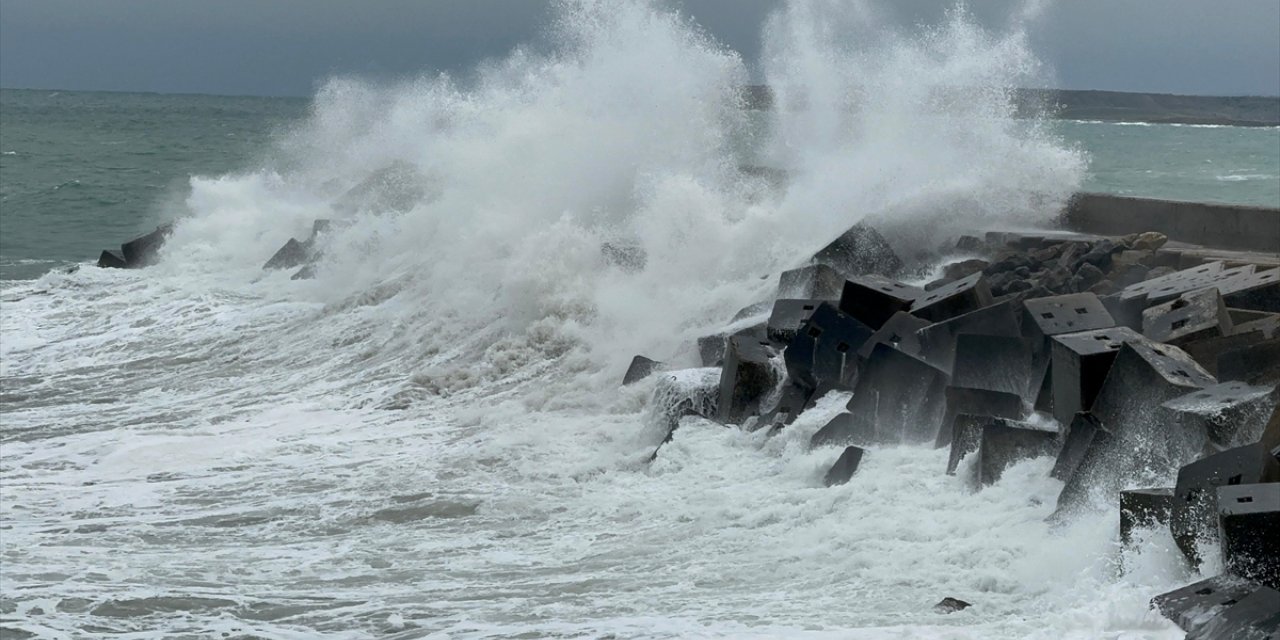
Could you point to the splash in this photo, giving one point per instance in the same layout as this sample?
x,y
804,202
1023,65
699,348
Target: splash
x,y
477,206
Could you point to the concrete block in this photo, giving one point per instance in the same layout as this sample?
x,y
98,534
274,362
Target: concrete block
x,y
1195,496
858,251
976,402
1080,362
901,395
711,348
1258,291
111,259
872,299
1257,363
790,404
1243,316
998,363
292,254
144,250
814,282
1193,316
1206,351
938,341
1172,285
966,436
641,367
1195,605
845,429
1231,413
746,378
1249,531
1144,508
844,467
898,332
1003,443
1071,313
1255,616
1084,434
1127,312
786,318
958,298
826,347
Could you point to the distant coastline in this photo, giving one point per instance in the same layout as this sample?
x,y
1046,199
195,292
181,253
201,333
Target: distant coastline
x,y
1064,104
1121,106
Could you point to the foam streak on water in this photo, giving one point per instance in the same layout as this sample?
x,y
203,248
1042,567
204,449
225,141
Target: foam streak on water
x,y
427,440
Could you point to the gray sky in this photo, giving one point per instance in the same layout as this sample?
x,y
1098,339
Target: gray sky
x,y
285,47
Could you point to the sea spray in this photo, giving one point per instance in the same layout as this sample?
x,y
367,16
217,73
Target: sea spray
x,y
631,129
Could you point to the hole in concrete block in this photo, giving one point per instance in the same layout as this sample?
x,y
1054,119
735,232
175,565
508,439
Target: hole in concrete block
x,y
1204,592
1102,338
1081,310
1047,315
1228,603
842,347
1235,479
815,332
808,307
1178,324
895,338
1245,499
1179,303
1180,372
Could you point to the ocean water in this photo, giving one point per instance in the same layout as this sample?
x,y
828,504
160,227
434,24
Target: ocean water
x,y
429,440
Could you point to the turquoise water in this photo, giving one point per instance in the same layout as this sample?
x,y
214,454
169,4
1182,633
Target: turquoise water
x,y
83,171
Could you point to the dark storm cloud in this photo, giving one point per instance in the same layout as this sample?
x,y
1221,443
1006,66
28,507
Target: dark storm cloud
x,y
284,47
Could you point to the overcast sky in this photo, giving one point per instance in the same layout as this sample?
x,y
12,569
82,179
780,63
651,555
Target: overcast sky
x,y
286,47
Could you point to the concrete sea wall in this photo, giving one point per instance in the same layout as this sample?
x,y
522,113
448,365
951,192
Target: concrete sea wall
x,y
1224,226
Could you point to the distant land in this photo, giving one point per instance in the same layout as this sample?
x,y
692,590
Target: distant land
x,y
1120,106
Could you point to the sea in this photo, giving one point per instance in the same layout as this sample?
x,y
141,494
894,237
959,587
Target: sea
x,y
429,439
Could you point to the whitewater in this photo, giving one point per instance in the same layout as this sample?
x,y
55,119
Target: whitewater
x,y
429,439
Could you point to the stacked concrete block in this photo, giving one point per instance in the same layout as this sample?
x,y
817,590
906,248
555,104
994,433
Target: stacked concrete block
x,y
1144,508
825,349
873,300
902,396
956,299
1232,414
746,377
899,332
938,340
1189,318
1080,365
1195,496
813,282
1003,443
1249,531
786,318
845,466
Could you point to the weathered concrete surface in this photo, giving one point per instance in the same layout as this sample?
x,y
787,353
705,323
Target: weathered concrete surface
x,y
1214,225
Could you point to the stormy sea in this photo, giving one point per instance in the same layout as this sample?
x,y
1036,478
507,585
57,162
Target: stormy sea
x,y
429,438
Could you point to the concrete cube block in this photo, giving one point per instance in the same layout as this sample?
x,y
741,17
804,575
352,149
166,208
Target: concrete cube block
x,y
858,251
845,429
1255,616
813,282
1003,443
955,299
898,332
746,377
145,250
1200,603
826,347
976,402
844,467
111,259
1084,434
1231,413
641,368
790,404
1144,508
1257,363
1249,531
1080,362
1195,495
938,340
872,299
1193,316
998,363
1258,291
1071,313
901,395
786,318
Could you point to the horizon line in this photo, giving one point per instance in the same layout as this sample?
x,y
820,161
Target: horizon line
x,y
747,86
